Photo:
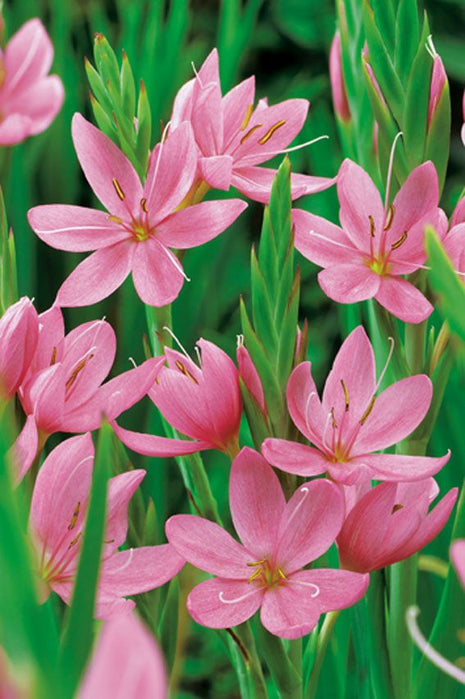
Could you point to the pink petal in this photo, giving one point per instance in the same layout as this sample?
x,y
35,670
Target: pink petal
x,y
121,488
216,171
14,129
457,554
458,215
255,182
139,570
359,200
47,396
320,241
292,112
108,171
61,488
19,334
182,105
250,377
40,102
156,273
355,472
288,611
293,457
235,105
126,662
351,383
167,184
24,450
208,547
309,525
396,413
209,71
28,56
74,228
304,404
418,197
349,283
152,445
338,589
52,332
454,245
198,224
207,118
403,300
220,603
98,276
399,467
256,501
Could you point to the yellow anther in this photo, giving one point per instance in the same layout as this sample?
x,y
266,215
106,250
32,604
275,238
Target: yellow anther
x,y
372,225
390,217
54,356
334,421
143,203
248,114
118,189
257,563
73,520
346,394
250,132
256,574
281,574
368,411
271,131
399,242
115,219
76,372
185,371
396,508
75,540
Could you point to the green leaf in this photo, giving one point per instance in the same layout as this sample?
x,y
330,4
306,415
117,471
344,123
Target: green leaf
x,y
407,25
444,280
128,86
438,138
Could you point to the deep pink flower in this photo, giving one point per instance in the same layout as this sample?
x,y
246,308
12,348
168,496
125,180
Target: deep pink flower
x,y
30,99
62,390
265,571
367,256
390,523
127,662
351,421
203,403
341,105
234,138
457,554
19,331
57,520
142,223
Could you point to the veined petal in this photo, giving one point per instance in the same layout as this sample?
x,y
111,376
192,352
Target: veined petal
x,y
108,171
74,228
121,488
40,102
320,241
24,449
294,457
98,276
255,182
362,211
182,105
156,273
216,170
152,445
338,589
47,397
257,502
418,197
403,300
207,118
304,403
235,106
289,611
349,283
400,467
220,603
309,524
198,224
209,547
396,412
138,570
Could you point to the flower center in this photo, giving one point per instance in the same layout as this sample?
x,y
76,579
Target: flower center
x,y
139,231
266,574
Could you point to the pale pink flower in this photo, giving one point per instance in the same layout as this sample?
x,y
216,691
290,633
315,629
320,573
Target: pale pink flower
x,y
233,138
62,390
341,105
143,222
57,521
351,421
126,664
19,331
376,245
204,403
390,523
457,554
265,571
30,99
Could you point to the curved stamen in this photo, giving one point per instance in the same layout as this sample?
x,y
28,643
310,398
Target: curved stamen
x,y
388,360
304,490
298,147
306,584
178,342
237,599
330,240
389,173
428,650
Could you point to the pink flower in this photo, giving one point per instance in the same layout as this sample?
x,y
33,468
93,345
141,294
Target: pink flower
x,y
375,246
351,421
462,132
19,331
279,539
127,663
250,377
438,82
203,403
142,223
454,241
30,99
233,138
336,75
57,520
62,389
390,523
457,554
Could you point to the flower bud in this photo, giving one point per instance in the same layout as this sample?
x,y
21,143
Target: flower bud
x,y
19,330
341,104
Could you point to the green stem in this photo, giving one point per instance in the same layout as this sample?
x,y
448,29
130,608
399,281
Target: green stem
x,y
376,611
322,646
403,591
415,340
283,671
243,637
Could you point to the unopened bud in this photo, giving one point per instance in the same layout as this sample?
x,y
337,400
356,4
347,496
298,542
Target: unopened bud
x,y
341,104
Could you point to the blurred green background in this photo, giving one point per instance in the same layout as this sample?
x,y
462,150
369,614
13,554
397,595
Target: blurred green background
x,y
285,43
